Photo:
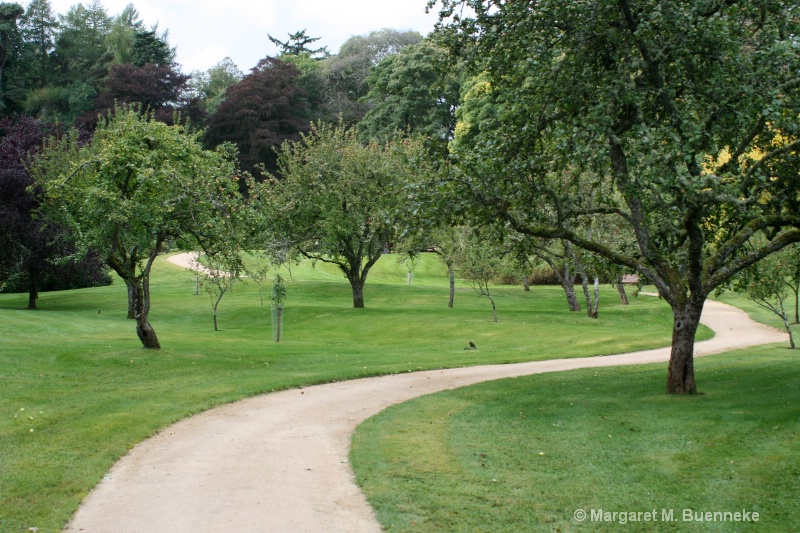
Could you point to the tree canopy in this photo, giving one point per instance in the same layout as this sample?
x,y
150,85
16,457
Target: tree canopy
x,y
643,113
409,92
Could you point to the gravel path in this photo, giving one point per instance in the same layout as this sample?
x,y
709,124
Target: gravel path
x,y
278,462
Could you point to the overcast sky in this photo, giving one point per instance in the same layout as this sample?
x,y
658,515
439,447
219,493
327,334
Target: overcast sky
x,y
206,31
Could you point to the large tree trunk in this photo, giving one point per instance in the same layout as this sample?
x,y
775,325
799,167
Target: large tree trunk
x,y
526,286
33,286
358,292
452,274
680,376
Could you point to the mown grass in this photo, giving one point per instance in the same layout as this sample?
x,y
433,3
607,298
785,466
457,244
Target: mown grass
x,y
78,391
526,454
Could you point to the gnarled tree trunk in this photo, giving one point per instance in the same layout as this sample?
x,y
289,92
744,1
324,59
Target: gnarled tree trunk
x,y
680,375
134,293
144,330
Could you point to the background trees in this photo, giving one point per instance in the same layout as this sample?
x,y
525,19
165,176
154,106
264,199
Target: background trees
x,y
259,113
344,75
210,86
10,54
624,110
337,201
409,93
38,254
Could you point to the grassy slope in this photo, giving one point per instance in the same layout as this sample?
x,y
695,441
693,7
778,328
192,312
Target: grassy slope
x,y
74,373
525,454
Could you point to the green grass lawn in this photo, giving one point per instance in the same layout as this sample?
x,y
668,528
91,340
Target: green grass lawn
x,y
78,391
526,454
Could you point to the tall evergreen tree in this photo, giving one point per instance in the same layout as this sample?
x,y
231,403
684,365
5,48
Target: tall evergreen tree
x,y
151,49
39,26
297,44
81,42
10,48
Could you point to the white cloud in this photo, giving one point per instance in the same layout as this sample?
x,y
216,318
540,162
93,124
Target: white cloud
x,y
205,31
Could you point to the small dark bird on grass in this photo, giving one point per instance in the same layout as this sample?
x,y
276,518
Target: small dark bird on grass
x,y
471,346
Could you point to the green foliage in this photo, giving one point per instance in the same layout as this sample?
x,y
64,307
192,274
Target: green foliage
x,y
337,201
344,75
80,44
769,282
39,26
297,44
149,48
10,52
278,293
479,262
409,93
120,38
212,84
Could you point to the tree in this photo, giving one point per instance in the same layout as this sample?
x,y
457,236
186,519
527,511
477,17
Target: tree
x,y
278,297
21,234
121,35
81,43
559,255
297,44
39,26
211,86
259,113
10,45
149,48
446,241
768,283
479,264
345,74
38,254
643,114
337,201
136,185
409,93
221,275
160,89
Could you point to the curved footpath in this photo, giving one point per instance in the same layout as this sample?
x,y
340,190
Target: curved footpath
x,y
278,462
